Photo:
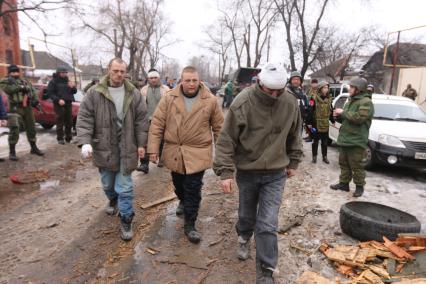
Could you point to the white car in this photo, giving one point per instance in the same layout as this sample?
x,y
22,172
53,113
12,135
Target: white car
x,y
397,133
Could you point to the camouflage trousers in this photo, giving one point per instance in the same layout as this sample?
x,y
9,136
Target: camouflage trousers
x,y
351,161
25,116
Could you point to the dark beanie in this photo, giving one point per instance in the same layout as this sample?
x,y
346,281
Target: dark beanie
x,y
152,70
314,81
12,68
61,69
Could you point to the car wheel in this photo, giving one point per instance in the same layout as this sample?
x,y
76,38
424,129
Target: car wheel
x,y
366,221
369,159
47,126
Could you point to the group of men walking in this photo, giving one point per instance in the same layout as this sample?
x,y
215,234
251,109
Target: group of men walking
x,y
258,143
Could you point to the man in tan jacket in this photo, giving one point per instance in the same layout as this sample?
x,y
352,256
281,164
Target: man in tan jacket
x,y
152,92
186,118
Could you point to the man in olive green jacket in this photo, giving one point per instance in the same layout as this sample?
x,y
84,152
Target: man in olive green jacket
x,y
22,99
353,136
112,125
260,140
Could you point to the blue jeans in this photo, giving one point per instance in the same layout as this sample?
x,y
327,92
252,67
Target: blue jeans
x,y
260,195
118,186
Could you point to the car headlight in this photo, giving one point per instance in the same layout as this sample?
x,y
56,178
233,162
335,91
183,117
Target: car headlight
x,y
390,140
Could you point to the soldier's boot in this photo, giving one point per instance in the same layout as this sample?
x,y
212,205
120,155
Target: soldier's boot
x,y
340,186
35,150
359,190
1,160
263,275
325,160
314,159
324,153
12,153
179,209
126,228
191,232
111,208
243,251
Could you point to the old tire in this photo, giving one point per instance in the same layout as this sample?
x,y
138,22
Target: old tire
x,y
367,221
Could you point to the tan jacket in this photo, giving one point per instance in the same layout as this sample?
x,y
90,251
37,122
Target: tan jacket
x,y
188,140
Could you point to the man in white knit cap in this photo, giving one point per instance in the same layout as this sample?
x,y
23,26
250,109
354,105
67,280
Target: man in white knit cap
x,y
260,141
152,93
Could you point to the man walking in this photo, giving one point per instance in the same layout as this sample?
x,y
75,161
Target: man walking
x,y
353,136
261,140
186,118
61,90
152,93
113,124
21,100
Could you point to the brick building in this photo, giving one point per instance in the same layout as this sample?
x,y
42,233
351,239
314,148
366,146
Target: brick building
x,y
10,51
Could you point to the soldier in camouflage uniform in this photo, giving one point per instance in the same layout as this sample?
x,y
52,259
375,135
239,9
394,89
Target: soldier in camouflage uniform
x,y
356,119
22,98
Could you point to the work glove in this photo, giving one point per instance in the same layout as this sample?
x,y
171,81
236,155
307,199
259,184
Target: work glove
x,y
86,151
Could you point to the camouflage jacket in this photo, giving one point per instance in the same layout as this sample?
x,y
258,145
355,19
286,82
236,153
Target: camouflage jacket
x,y
17,89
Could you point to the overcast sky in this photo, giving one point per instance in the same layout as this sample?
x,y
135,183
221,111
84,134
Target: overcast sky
x,y
190,17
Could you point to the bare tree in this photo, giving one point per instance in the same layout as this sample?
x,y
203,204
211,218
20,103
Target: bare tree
x,y
219,44
302,33
29,7
134,29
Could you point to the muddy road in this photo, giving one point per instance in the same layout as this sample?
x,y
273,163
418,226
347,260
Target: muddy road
x,y
57,232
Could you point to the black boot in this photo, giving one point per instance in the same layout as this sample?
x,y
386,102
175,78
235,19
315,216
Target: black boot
x,y
1,160
340,186
359,190
35,150
314,159
325,160
191,233
126,228
179,209
12,153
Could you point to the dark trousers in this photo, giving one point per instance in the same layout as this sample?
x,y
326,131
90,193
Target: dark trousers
x,y
260,195
63,119
188,190
323,136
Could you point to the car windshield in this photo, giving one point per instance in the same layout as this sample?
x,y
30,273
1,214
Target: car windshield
x,y
399,112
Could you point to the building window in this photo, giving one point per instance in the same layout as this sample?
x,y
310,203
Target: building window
x,y
9,56
7,25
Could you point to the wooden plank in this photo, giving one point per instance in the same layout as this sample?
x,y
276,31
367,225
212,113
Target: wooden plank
x,y
159,201
362,255
396,250
372,277
309,277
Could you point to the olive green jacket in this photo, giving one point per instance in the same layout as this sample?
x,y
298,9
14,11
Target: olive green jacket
x,y
97,125
356,121
260,133
322,112
14,90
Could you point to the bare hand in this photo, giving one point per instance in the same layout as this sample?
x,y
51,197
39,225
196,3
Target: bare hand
x,y
71,84
61,102
227,185
337,112
141,152
153,158
290,173
3,123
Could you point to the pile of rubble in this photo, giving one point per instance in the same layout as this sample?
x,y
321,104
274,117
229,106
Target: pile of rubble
x,y
375,263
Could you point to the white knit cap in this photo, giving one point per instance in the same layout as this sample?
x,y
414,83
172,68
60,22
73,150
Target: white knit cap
x,y
273,76
153,74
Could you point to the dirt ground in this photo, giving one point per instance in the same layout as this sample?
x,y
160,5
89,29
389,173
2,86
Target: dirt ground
x,y
57,232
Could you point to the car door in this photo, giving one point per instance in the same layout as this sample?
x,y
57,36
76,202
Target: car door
x,y
339,102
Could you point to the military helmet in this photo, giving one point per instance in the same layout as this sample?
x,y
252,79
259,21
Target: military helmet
x,y
61,69
359,83
295,74
322,84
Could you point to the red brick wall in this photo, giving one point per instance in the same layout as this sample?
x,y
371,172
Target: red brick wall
x,y
9,42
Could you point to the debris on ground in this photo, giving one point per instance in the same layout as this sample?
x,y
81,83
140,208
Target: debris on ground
x,y
374,262
309,277
29,177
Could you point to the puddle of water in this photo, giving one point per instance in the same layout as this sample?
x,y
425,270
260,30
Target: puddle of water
x,y
50,184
